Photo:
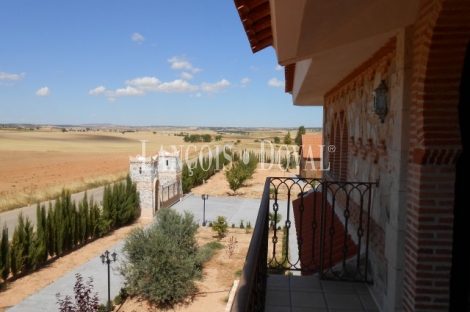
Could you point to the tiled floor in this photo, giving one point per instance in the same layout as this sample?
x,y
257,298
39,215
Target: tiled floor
x,y
308,293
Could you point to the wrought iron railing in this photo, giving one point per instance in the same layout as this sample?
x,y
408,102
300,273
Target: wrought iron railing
x,y
311,226
251,291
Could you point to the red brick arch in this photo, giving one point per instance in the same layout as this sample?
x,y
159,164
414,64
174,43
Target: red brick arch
x,y
441,35
336,142
343,146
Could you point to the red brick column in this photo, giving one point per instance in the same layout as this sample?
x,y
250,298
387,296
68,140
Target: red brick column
x,y
441,36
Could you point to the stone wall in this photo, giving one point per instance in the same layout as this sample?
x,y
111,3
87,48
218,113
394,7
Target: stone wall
x,y
365,150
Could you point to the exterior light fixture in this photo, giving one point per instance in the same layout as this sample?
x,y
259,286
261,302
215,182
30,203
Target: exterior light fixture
x,y
380,101
204,198
106,260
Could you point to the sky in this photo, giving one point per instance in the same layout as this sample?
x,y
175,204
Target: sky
x,y
139,63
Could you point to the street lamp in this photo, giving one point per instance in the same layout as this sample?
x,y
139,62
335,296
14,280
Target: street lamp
x,y
105,259
204,198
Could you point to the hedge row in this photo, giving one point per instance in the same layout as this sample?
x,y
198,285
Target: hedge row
x,y
64,227
242,170
197,173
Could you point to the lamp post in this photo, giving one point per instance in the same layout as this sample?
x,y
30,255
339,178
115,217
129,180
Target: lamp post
x,y
105,259
204,198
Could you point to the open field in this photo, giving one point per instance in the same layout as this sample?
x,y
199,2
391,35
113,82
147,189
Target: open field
x,y
36,165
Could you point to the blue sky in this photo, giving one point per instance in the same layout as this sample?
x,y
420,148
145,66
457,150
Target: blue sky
x,y
139,63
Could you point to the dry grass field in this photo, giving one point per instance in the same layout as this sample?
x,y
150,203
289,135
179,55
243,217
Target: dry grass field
x,y
36,165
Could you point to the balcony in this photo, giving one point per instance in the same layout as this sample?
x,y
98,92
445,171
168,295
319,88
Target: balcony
x,y
317,256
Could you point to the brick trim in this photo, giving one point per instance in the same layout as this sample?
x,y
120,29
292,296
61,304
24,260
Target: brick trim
x,y
441,34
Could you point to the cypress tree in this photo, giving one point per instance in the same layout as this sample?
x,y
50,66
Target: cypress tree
x,y
41,236
85,219
17,259
59,227
51,231
93,219
4,254
31,248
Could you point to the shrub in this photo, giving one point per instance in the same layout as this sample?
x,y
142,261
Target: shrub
x,y
232,245
242,226
206,252
274,219
162,263
248,227
214,245
241,170
220,226
85,299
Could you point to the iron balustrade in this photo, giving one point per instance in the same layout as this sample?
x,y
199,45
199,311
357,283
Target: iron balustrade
x,y
324,229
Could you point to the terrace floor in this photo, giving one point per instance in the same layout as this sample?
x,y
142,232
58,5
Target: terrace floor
x,y
308,293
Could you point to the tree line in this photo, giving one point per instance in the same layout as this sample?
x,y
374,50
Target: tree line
x,y
64,226
242,170
199,172
200,138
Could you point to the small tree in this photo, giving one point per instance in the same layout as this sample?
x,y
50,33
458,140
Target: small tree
x,y
287,138
85,299
162,262
277,140
298,137
220,226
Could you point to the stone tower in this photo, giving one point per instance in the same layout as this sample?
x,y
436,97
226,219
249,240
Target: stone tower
x,y
158,179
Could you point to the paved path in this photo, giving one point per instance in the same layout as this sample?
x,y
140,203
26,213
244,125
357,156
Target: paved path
x,y
235,209
11,217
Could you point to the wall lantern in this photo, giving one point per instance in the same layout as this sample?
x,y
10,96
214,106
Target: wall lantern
x,y
380,101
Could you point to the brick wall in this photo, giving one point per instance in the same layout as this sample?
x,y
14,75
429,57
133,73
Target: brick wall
x,y
440,39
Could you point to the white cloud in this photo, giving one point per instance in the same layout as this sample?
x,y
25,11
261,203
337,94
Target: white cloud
x,y
254,68
215,87
177,85
143,82
43,92
128,91
8,76
186,76
97,90
111,100
245,81
137,37
198,95
279,67
274,82
182,63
